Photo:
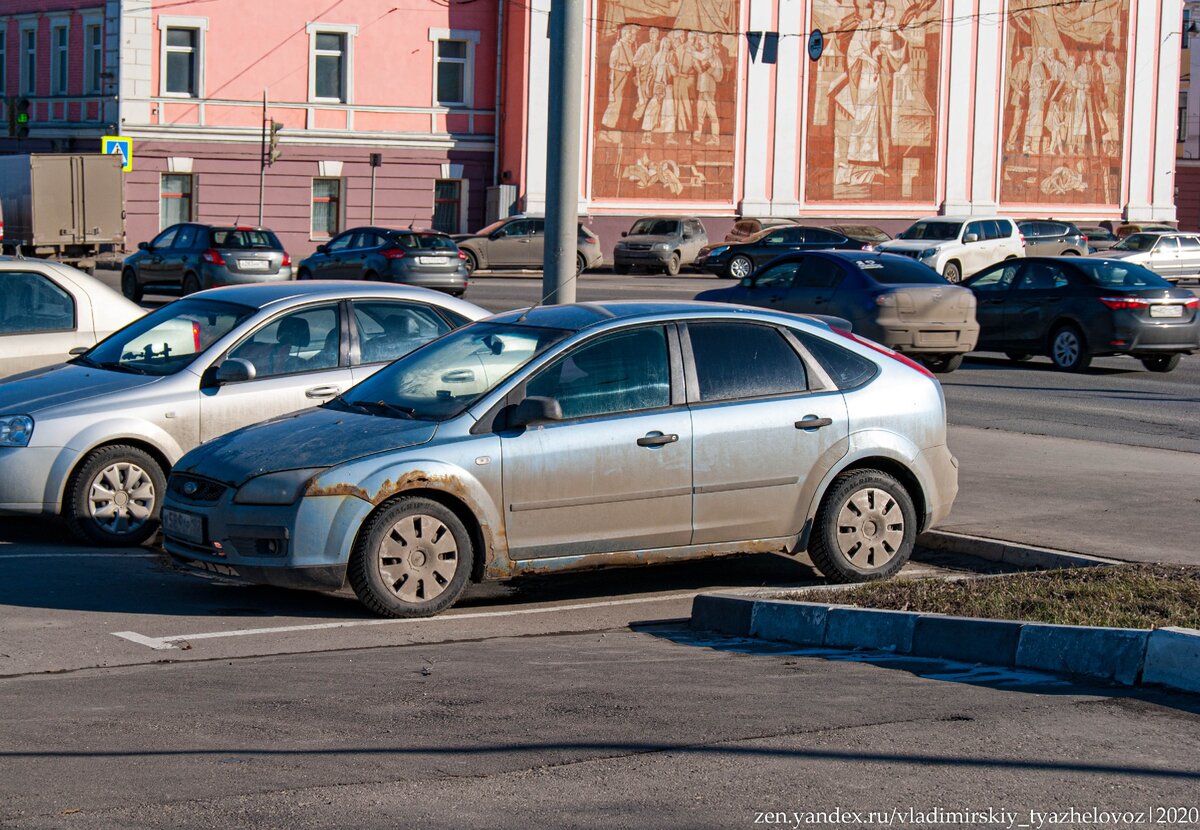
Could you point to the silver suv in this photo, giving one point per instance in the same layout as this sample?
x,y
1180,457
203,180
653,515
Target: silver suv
x,y
958,246
660,243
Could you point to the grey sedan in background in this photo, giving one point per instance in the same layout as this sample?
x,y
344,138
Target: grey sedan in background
x,y
426,258
48,309
93,439
579,436
186,258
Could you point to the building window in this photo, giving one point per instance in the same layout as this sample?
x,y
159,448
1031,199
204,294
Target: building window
x,y
329,66
3,60
326,207
1187,30
447,205
1182,126
29,61
454,60
59,65
181,60
175,199
93,58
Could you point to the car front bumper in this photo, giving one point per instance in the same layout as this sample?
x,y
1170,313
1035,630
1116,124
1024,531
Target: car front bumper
x,y
31,478
212,276
626,257
442,280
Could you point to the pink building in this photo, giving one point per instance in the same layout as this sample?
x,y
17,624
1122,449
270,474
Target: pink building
x,y
185,80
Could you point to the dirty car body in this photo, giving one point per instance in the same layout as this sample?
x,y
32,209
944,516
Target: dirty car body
x,y
574,437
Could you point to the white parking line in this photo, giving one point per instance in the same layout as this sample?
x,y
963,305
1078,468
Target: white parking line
x,y
164,643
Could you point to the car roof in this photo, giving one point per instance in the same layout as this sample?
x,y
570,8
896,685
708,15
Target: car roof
x,y
263,294
961,218
677,217
580,316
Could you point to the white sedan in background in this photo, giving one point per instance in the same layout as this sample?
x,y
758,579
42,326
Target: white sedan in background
x,y
48,309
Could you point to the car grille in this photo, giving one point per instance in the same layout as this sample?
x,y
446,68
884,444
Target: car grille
x,y
195,488
637,246
909,254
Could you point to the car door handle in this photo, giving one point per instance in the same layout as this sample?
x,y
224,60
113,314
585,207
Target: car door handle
x,y
322,391
813,422
657,440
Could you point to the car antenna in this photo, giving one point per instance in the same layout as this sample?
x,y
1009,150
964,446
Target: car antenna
x,y
525,313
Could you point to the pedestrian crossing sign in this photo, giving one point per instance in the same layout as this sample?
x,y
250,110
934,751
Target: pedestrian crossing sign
x,y
118,145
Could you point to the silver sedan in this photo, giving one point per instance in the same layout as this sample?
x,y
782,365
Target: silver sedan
x,y
95,438
573,437
1173,256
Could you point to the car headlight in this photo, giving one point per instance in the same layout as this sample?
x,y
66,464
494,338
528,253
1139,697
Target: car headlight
x,y
622,245
15,430
661,246
276,488
717,251
927,253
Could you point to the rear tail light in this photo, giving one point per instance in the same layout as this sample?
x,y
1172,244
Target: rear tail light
x,y
885,300
1083,238
287,261
867,246
884,350
213,257
394,253
1194,302
462,255
1021,236
1119,303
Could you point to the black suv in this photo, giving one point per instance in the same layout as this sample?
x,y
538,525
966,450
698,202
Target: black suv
x,y
185,258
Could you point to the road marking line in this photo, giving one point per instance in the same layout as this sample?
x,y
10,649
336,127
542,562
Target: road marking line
x,y
6,556
162,643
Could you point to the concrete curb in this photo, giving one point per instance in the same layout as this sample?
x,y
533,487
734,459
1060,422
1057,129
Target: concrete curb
x,y
1029,557
1130,657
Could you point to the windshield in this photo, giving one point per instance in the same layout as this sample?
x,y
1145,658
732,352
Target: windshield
x,y
868,233
241,239
424,241
933,229
1120,274
654,227
1136,242
899,271
167,340
443,378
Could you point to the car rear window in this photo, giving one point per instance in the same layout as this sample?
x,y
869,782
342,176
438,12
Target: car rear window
x,y
847,369
898,271
1116,274
241,239
424,241
739,360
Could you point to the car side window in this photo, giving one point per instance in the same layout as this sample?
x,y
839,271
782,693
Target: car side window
x,y
821,236
781,275
695,228
302,341
366,239
1030,230
626,371
166,238
537,227
1189,243
783,236
994,282
818,272
517,229
996,229
741,360
1167,245
1041,276
975,228
30,303
186,238
339,243
388,330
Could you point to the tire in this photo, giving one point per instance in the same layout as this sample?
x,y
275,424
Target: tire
x,y
304,274
190,285
1162,363
1018,357
739,267
864,529
114,496
953,272
1070,252
671,266
943,364
580,264
412,540
621,270
472,261
1068,349
130,286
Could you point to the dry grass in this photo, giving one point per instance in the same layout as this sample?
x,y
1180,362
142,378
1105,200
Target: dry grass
x,y
1121,596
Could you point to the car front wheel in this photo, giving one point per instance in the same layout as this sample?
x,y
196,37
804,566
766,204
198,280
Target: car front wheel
x,y
740,267
865,528
114,497
952,273
412,559
671,267
1162,363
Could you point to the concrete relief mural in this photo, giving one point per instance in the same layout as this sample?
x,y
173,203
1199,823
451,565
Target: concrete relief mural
x,y
1064,107
665,98
873,101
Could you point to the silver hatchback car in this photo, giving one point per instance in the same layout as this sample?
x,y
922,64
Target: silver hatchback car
x,y
93,439
574,437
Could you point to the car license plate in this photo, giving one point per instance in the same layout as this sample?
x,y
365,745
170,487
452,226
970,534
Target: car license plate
x,y
431,260
253,264
1166,311
186,526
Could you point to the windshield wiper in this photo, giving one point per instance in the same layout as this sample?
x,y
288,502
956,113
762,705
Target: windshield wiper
x,y
406,411
118,366
341,399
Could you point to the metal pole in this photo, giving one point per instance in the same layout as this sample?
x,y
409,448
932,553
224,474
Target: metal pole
x,y
373,169
262,160
562,154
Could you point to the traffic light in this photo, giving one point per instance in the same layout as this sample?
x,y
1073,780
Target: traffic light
x,y
22,117
273,151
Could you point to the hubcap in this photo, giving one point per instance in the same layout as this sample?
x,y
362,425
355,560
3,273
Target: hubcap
x,y
739,267
418,558
121,498
870,528
1066,348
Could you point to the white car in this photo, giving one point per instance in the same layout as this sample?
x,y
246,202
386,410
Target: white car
x,y
959,246
1173,256
48,309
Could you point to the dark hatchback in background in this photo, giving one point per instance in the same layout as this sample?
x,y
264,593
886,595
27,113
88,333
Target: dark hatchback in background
x,y
186,258
1098,238
414,257
737,260
868,234
890,299
1074,309
1052,237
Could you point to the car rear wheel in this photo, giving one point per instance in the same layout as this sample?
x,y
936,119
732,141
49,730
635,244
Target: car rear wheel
x,y
580,264
130,286
865,528
943,363
1162,363
190,285
1068,350
371,276
114,497
1018,357
472,261
412,559
304,274
739,267
953,272
671,267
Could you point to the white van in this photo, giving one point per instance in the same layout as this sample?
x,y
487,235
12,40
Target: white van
x,y
959,246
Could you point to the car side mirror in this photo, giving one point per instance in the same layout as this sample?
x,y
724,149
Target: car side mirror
x,y
235,370
535,410
322,249
624,234
499,234
78,350
144,246
971,237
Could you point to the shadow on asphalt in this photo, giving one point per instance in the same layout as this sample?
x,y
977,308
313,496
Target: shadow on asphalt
x,y
1044,365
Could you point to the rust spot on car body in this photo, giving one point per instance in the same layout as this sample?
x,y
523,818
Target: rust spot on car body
x,y
337,490
588,561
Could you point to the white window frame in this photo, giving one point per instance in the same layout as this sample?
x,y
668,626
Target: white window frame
x,y
93,59
27,81
340,215
192,181
200,25
471,37
60,56
349,32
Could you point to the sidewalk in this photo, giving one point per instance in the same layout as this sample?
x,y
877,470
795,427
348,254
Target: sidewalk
x,y
1109,500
